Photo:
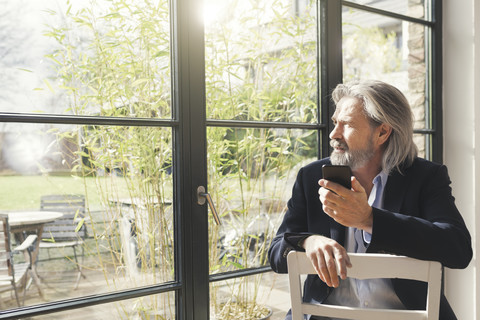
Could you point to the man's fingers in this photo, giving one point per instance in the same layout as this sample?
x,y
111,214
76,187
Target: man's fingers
x,y
336,188
331,272
318,262
328,267
343,262
357,186
328,258
329,201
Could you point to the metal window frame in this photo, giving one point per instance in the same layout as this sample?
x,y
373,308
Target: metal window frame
x,y
192,280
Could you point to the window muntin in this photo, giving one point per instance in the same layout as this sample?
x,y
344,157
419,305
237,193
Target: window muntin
x,y
416,9
149,307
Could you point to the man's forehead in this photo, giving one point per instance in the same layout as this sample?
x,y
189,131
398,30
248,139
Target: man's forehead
x,y
348,107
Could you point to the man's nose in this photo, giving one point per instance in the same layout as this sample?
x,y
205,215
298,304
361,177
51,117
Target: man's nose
x,y
335,134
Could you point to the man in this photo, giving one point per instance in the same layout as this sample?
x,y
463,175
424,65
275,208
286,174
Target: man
x,y
398,204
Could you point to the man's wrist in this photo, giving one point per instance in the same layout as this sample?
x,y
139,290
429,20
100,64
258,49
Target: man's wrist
x,y
301,242
368,223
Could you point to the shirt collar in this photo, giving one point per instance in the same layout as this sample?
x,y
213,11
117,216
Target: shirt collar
x,y
376,196
381,178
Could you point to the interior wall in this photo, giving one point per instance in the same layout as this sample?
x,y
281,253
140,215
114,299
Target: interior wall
x,y
461,139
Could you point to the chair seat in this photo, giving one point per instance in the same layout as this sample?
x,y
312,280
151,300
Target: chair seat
x,y
6,281
62,244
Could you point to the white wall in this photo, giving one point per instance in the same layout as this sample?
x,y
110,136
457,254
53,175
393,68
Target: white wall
x,y
461,84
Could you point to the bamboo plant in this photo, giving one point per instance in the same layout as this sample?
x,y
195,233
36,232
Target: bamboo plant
x,y
114,60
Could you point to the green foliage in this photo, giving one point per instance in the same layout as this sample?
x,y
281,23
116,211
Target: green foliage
x,y
114,60
260,66
261,69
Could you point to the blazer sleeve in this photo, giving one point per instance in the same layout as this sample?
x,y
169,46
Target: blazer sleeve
x,y
428,224
304,217
292,229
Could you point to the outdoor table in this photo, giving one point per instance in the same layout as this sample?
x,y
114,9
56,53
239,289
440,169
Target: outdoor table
x,y
31,221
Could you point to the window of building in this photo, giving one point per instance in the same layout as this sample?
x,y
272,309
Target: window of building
x,y
151,110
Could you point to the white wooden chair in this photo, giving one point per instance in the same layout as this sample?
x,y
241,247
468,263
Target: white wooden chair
x,y
368,266
13,276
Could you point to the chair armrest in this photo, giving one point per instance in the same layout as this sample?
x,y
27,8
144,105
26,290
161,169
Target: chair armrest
x,y
85,219
26,244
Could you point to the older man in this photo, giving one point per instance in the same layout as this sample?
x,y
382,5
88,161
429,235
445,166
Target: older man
x,y
398,204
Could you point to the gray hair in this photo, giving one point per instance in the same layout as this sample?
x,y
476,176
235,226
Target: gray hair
x,y
383,103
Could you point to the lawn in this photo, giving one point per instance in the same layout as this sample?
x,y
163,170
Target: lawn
x,y
24,192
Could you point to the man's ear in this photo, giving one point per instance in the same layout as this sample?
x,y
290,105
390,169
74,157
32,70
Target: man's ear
x,y
384,131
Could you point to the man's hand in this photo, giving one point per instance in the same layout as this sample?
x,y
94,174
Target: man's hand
x,y
326,254
350,208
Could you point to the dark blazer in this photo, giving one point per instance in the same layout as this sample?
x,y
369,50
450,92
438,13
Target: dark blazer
x,y
419,220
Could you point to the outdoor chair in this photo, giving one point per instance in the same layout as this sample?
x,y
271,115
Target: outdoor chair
x,y
69,231
368,266
13,276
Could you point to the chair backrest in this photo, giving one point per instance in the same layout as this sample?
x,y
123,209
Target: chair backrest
x,y
368,266
73,209
5,255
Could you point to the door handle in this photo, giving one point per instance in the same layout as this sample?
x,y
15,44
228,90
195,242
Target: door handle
x,y
201,197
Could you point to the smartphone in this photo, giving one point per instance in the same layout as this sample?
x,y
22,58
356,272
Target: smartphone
x,y
339,174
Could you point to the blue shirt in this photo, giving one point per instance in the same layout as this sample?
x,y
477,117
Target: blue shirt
x,y
370,293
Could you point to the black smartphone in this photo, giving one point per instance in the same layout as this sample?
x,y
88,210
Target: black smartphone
x,y
339,174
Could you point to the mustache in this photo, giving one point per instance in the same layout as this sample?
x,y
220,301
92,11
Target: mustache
x,y
338,144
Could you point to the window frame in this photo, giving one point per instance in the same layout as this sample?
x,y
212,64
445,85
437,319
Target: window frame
x,y
188,100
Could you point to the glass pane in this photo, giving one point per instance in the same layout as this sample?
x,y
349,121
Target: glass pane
x,y
396,53
108,58
411,8
261,60
251,172
148,308
270,291
125,177
423,142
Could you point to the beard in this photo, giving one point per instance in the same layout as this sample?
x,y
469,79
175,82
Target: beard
x,y
353,158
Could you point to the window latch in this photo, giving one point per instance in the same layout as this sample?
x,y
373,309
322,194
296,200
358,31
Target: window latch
x,y
201,197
